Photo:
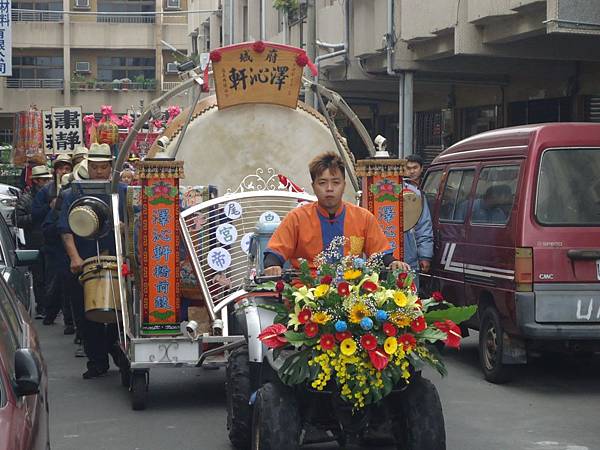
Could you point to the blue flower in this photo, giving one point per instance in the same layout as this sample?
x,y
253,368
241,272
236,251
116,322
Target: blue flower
x,y
381,315
359,263
366,323
341,326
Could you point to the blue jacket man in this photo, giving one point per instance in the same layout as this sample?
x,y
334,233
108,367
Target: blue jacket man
x,y
418,241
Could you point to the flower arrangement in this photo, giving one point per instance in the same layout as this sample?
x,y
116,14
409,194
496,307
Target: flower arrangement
x,y
357,329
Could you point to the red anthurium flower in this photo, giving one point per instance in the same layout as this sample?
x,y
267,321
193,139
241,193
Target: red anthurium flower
x,y
379,359
452,332
407,341
401,279
418,324
389,329
437,296
304,315
343,335
327,341
343,289
369,286
279,286
327,279
368,341
311,329
273,337
259,46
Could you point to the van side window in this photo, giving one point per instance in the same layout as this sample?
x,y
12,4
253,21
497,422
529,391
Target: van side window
x,y
495,195
431,186
456,195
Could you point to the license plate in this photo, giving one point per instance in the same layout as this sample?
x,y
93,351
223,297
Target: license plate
x,y
598,268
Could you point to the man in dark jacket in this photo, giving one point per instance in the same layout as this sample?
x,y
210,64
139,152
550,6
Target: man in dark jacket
x,y
34,238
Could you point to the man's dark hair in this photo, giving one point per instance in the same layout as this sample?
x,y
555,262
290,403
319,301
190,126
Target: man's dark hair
x,y
415,158
325,161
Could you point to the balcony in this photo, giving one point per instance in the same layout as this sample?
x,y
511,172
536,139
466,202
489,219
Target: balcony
x,y
27,15
120,18
34,83
147,85
168,85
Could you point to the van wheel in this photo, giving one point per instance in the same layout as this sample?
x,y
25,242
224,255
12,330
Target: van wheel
x,y
491,348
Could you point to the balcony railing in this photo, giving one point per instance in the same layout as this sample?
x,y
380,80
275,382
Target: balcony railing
x,y
112,86
168,85
117,18
24,15
33,83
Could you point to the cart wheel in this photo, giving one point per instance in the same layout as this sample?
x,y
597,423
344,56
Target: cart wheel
x,y
139,389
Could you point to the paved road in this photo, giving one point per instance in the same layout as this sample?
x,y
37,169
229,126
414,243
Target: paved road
x,y
554,404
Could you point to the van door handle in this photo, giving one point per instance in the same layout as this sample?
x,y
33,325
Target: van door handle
x,y
583,254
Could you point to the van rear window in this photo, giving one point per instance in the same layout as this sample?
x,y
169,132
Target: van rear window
x,y
568,190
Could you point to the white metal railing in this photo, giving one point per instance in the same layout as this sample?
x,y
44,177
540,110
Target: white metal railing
x,y
19,15
168,85
109,18
112,86
33,83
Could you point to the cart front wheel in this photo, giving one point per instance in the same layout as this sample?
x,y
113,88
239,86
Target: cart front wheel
x,y
139,389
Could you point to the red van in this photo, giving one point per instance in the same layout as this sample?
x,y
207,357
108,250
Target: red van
x,y
516,218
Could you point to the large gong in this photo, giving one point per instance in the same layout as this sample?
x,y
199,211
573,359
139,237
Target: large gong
x,y
221,147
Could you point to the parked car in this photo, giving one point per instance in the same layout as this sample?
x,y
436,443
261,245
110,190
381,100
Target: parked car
x,y
14,265
516,216
8,200
23,379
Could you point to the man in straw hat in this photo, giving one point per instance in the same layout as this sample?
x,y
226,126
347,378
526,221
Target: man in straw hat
x,y
34,239
79,155
43,202
99,339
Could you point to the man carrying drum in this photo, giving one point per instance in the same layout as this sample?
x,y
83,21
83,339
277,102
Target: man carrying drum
x,y
99,339
308,230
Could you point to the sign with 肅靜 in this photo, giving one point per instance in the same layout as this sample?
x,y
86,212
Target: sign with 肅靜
x,y
258,72
67,128
5,39
48,132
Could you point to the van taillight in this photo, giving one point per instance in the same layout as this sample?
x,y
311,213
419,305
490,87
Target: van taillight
x,y
524,268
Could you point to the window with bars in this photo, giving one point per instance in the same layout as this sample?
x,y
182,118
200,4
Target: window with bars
x,y
38,67
118,67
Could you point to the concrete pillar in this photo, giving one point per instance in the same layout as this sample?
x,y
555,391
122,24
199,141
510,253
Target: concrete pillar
x,y
67,54
408,114
311,44
401,115
158,54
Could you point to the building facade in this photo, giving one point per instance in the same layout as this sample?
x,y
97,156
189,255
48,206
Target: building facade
x,y
92,52
423,73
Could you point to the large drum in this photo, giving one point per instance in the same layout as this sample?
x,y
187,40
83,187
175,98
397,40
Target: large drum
x,y
101,289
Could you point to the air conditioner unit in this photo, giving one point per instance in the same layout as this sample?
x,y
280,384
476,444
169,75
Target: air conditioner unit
x,y
173,4
82,4
82,67
172,67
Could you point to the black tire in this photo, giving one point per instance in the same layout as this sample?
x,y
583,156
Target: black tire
x,y
238,391
276,420
139,390
491,348
421,422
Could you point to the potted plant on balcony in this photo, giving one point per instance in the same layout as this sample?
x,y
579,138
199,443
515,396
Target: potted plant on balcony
x,y
125,84
149,84
139,82
116,84
91,83
77,81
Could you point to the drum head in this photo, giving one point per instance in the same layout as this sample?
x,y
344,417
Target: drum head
x,y
221,147
412,207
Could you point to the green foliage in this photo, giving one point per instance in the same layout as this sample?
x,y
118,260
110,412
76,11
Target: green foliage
x,y
286,6
456,314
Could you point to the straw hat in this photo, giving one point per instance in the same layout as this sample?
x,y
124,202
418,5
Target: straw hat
x,y
100,153
65,179
62,159
40,172
80,150
80,171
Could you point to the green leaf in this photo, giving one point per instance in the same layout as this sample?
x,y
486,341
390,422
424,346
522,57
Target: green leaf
x,y
456,314
388,383
296,338
294,369
431,334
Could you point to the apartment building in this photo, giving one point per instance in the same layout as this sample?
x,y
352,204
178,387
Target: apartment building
x,y
93,53
426,73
